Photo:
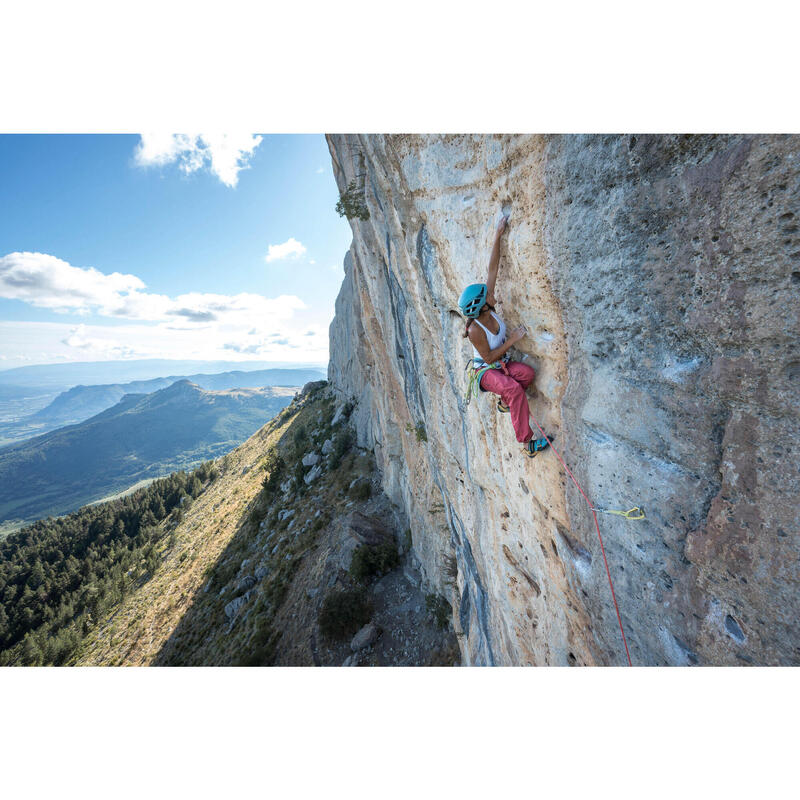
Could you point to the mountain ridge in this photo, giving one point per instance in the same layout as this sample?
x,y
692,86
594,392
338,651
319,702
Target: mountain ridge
x,y
142,436
81,402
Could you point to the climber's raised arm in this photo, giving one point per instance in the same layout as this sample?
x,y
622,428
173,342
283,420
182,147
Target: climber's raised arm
x,y
494,261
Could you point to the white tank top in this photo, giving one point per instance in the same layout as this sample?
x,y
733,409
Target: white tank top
x,y
494,339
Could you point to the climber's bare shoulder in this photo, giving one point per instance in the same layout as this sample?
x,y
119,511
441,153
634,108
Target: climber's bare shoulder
x,y
478,338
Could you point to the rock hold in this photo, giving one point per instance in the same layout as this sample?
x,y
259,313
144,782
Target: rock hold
x,y
313,474
233,608
248,582
365,637
311,386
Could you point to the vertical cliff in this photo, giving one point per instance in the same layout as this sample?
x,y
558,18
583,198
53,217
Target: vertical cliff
x,y
658,278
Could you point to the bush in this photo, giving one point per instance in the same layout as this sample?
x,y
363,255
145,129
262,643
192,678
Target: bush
x,y
299,437
320,522
341,444
275,467
373,560
261,647
343,613
439,609
418,430
361,490
351,203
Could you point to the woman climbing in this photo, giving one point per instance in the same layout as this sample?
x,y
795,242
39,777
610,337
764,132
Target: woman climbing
x,y
496,373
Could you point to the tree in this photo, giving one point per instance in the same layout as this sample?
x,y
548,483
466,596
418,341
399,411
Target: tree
x,y
351,203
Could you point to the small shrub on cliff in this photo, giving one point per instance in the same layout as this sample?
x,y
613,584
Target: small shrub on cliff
x,y
418,430
351,203
300,437
343,613
341,444
451,569
275,467
361,491
439,609
373,560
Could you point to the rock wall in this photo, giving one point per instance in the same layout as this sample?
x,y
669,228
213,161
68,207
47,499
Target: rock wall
x,y
658,278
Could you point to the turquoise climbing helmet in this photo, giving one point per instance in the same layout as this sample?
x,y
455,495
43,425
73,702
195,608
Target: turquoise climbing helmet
x,y
472,299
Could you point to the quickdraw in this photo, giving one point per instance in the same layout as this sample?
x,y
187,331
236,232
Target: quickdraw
x,y
632,513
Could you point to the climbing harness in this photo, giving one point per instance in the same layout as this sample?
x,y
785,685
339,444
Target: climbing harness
x,y
475,373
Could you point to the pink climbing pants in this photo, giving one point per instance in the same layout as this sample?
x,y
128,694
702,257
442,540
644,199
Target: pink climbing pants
x,y
511,389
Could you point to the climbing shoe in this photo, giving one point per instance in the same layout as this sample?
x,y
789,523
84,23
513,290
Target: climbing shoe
x,y
535,446
502,407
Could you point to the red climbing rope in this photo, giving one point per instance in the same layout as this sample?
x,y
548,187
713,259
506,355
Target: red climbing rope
x,y
602,549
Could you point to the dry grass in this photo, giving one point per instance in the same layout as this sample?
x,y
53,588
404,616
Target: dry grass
x,y
136,632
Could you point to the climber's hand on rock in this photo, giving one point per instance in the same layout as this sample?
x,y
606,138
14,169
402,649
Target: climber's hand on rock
x,y
517,334
501,226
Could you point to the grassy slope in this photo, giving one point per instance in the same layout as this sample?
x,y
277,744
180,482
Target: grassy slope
x,y
138,630
173,620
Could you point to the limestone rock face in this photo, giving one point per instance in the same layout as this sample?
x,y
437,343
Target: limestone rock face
x,y
658,278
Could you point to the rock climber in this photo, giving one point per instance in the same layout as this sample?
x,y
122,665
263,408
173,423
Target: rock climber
x,y
495,371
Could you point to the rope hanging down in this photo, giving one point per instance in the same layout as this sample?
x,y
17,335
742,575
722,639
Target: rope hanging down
x,y
597,525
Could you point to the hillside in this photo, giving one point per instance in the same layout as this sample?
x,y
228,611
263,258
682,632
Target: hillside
x,y
61,376
261,558
82,402
657,277
141,436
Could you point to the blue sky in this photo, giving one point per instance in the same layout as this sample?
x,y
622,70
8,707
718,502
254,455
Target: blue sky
x,y
116,246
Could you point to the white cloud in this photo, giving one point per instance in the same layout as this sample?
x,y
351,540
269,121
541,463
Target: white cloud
x,y
48,282
291,248
147,325
223,154
77,338
99,348
320,171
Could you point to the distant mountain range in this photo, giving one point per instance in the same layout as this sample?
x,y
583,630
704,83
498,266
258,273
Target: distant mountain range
x,y
82,402
142,436
62,376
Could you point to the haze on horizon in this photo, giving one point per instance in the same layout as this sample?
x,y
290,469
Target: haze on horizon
x,y
117,247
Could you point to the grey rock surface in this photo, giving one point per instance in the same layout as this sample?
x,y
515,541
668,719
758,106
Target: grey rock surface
x,y
658,279
245,583
233,608
365,637
313,474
